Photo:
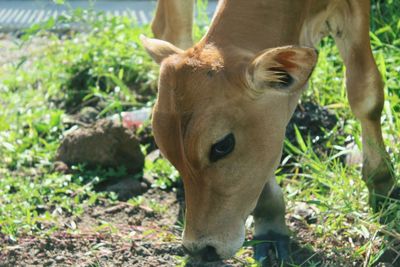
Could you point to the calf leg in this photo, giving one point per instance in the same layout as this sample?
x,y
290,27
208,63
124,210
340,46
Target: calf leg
x,y
158,23
269,223
173,22
366,97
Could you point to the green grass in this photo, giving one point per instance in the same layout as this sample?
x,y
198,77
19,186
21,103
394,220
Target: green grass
x,y
108,62
337,191
111,67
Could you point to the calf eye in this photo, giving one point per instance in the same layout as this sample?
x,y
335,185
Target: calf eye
x,y
222,148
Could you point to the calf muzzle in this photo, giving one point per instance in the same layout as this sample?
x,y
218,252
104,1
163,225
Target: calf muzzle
x,y
205,254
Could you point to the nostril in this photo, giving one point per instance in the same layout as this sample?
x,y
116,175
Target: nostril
x,y
209,253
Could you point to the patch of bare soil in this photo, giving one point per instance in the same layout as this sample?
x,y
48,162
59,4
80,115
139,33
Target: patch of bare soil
x,y
108,234
148,233
113,234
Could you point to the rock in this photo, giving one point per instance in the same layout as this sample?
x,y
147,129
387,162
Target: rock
x,y
87,115
311,119
314,122
59,259
304,211
61,167
106,144
50,262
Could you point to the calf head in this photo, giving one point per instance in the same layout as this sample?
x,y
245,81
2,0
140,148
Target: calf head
x,y
220,119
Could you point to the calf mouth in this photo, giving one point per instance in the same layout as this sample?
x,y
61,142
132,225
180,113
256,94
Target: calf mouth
x,y
206,255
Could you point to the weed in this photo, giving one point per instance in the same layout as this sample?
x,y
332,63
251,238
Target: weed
x,y
164,173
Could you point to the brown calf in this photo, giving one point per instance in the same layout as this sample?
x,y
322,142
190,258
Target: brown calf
x,y
223,106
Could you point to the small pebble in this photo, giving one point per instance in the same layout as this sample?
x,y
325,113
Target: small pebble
x,y
60,259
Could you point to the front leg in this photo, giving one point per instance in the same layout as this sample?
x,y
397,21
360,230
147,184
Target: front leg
x,y
173,22
269,223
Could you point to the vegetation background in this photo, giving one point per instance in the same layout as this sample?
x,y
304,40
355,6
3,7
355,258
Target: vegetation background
x,y
106,63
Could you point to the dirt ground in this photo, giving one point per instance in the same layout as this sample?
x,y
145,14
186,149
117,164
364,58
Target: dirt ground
x,y
117,234
146,234
107,234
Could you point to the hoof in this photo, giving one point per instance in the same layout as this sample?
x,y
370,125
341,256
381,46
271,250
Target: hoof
x,y
382,204
277,243
395,193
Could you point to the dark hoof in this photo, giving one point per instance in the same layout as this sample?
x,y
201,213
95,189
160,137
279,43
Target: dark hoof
x,y
395,193
276,243
382,204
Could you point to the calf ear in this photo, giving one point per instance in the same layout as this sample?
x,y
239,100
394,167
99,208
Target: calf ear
x,y
283,68
158,49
